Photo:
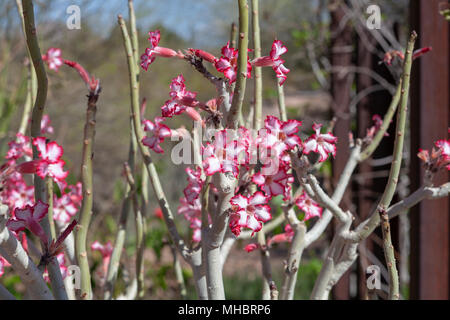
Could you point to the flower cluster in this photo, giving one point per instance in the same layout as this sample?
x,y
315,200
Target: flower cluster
x,y
16,193
439,158
182,100
19,147
227,63
224,154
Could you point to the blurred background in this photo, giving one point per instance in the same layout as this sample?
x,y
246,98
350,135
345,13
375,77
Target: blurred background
x,y
336,72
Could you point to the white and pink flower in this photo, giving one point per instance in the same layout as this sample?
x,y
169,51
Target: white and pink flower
x,y
29,218
286,236
159,132
46,125
154,50
66,206
308,206
50,162
249,212
274,60
227,63
19,147
321,143
3,264
53,58
273,185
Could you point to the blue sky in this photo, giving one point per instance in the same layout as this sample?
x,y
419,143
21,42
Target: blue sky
x,y
187,18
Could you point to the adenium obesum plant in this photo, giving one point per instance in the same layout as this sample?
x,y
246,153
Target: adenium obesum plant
x,y
246,176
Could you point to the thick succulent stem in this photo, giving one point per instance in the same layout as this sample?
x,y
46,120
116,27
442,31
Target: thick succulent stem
x,y
281,101
241,77
367,152
87,203
38,111
258,71
139,232
293,261
214,238
154,178
398,144
31,80
126,206
119,242
389,255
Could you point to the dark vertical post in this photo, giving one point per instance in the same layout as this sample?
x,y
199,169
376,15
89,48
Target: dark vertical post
x,y
364,186
429,122
341,82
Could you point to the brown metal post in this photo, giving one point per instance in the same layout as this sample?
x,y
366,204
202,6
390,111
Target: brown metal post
x,y
341,58
429,122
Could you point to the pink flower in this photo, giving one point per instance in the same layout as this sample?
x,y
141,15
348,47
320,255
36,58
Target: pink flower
x,y
53,58
154,50
251,247
3,264
390,55
50,163
66,206
444,150
273,185
274,60
444,147
46,125
16,193
106,252
227,63
324,144
182,100
249,212
19,147
308,206
158,213
419,52
29,218
378,122
285,132
179,93
287,236
159,132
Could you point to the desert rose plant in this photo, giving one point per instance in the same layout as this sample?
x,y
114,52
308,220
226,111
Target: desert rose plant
x,y
237,161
